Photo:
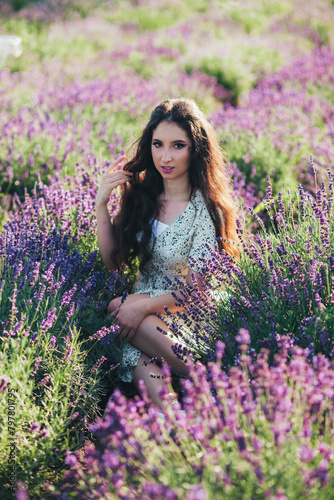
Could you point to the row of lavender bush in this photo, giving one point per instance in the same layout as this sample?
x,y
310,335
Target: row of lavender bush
x,y
46,282
259,137
282,286
259,432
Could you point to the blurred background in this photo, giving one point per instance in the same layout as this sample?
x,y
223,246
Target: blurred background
x,y
90,72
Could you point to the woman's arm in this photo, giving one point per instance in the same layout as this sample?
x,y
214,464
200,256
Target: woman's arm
x,y
158,304
135,308
105,238
152,305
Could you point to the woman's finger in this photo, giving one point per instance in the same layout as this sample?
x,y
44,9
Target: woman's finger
x,y
130,335
112,309
113,313
116,311
117,162
124,333
114,176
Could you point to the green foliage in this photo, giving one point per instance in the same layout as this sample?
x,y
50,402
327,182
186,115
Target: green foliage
x,y
256,16
59,7
323,90
323,31
238,73
20,4
178,44
38,44
146,18
141,67
48,396
155,18
264,159
200,6
230,76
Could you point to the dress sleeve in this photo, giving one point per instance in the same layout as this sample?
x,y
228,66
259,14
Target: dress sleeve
x,y
205,234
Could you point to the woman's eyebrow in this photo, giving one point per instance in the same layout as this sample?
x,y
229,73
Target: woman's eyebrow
x,y
173,142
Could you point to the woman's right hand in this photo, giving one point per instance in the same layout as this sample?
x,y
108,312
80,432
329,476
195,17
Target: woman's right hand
x,y
111,179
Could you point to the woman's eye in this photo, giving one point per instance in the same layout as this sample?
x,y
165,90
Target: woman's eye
x,y
176,146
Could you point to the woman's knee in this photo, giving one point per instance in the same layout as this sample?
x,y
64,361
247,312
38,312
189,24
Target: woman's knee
x,y
152,322
147,327
147,321
114,304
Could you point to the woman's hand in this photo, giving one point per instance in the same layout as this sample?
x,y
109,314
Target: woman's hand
x,y
129,315
111,179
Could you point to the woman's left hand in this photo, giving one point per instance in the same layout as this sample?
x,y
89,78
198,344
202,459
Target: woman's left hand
x,y
129,316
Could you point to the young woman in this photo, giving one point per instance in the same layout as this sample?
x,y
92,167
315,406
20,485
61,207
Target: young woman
x,y
175,202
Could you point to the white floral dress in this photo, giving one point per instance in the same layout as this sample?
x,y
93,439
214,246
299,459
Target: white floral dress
x,y
180,246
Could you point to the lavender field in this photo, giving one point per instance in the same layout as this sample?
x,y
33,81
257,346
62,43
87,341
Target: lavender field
x,y
254,420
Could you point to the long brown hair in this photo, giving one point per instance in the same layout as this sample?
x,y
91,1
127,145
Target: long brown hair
x,y
139,201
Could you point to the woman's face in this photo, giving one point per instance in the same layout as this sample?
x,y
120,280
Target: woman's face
x,y
171,151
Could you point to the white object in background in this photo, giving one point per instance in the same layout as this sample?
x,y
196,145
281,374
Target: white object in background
x,y
9,44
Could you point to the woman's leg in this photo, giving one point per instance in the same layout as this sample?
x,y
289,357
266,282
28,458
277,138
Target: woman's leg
x,y
154,343
153,384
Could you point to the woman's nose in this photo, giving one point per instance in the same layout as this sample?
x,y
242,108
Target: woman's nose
x,y
166,155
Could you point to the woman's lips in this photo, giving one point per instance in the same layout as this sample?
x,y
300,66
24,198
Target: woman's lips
x,y
167,169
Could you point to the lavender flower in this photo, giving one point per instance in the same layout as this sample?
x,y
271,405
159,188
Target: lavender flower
x,y
222,430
